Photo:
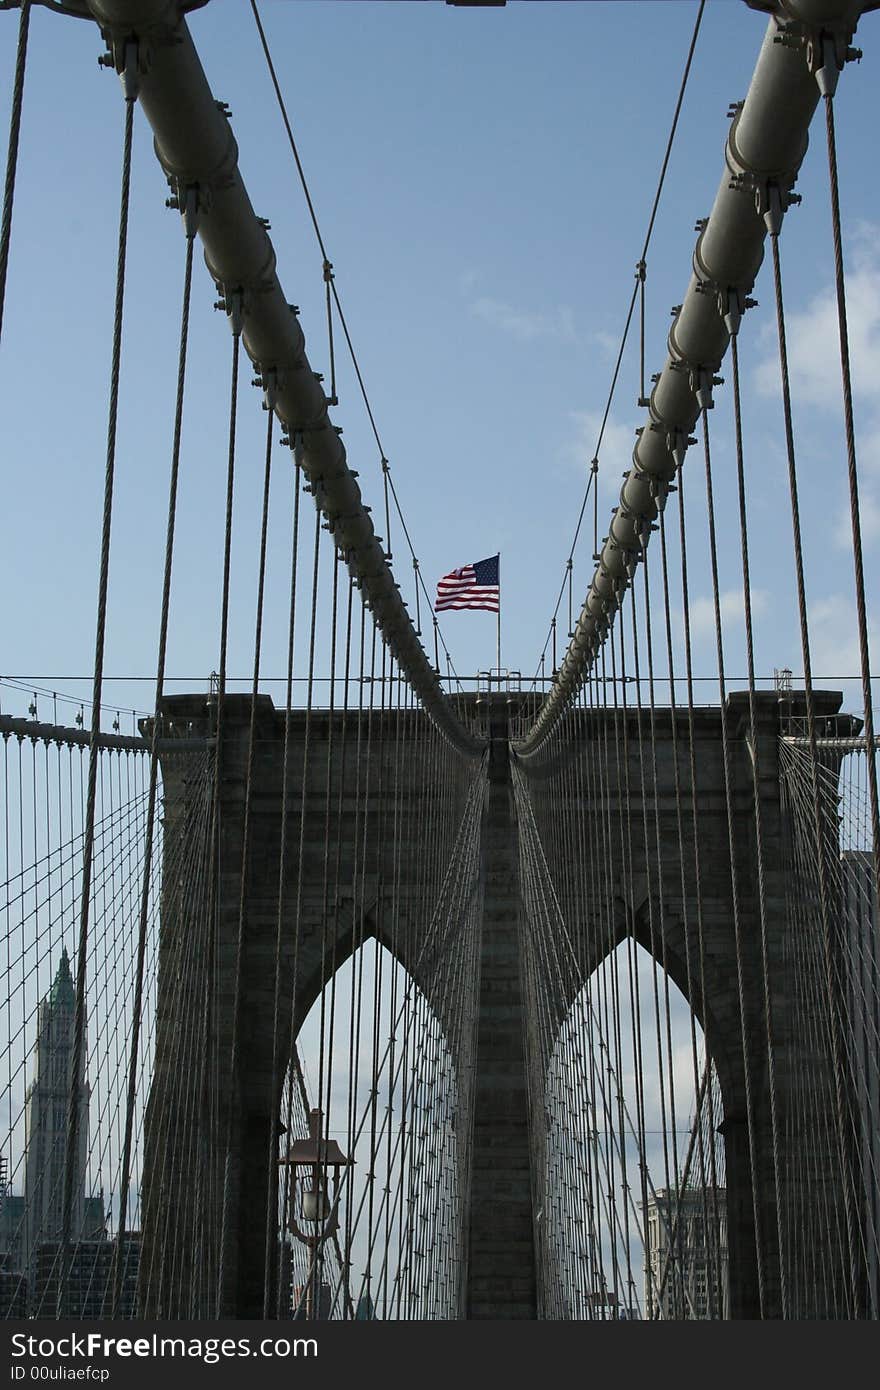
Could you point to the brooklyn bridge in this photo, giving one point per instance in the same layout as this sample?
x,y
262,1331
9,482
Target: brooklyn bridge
x,y
358,987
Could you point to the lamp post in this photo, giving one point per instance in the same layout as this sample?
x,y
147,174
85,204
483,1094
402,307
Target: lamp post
x,y
315,1166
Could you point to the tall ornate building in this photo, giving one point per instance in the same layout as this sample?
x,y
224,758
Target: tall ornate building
x,y
686,1272
46,1107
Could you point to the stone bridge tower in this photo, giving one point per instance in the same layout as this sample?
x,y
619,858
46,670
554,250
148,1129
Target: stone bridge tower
x,y
503,1269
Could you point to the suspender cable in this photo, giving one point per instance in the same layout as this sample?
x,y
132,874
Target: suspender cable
x,y
852,474
734,875
759,833
277,1052
769,132
209,1063
194,144
825,899
130,89
119,1256
12,154
231,1173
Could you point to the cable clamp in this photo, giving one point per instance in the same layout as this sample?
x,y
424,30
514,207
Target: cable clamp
x,y
267,382
232,304
677,442
129,58
189,200
827,52
772,201
293,439
731,304
701,382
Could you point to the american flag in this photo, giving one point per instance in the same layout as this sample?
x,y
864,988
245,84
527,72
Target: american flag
x,y
472,586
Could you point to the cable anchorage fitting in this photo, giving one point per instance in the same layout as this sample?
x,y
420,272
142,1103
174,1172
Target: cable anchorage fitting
x,y
773,197
128,58
267,382
825,51
187,199
772,201
232,304
732,304
826,56
678,442
701,382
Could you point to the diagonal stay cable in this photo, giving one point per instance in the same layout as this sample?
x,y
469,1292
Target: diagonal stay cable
x,y
12,155
330,282
119,1254
73,1109
637,288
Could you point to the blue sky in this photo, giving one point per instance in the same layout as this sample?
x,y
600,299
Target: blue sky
x,y
483,181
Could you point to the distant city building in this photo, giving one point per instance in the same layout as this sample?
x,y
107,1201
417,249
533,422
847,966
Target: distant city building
x,y
603,1305
686,1254
13,1277
13,1284
46,1107
365,1310
862,995
88,1287
31,1224
13,1293
309,1306
12,1254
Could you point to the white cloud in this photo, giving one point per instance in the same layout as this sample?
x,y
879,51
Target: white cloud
x,y
868,460
812,334
869,514
732,604
468,281
526,325
608,343
615,453
834,641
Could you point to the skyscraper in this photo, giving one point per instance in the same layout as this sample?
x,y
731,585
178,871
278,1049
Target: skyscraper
x,y
46,1107
686,1254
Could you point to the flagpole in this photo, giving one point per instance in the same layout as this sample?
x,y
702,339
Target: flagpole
x,y
499,622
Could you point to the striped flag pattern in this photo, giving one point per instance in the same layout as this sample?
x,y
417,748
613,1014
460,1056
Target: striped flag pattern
x,y
472,586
